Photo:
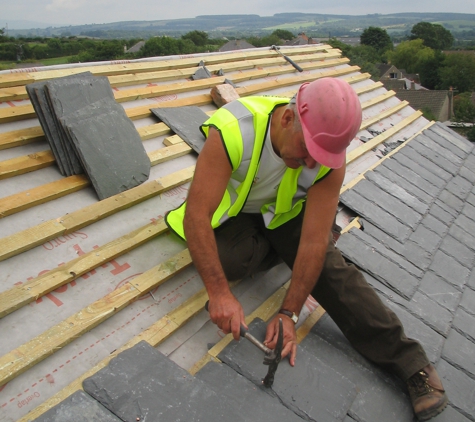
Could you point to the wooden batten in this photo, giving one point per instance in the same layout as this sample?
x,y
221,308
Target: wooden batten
x,y
34,351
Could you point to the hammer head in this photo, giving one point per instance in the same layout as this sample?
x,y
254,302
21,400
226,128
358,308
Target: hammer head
x,y
274,47
274,358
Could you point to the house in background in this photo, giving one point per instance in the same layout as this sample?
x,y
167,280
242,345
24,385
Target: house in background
x,y
235,45
438,102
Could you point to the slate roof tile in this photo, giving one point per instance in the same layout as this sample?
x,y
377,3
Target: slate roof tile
x,y
471,280
460,187
380,398
451,200
412,161
416,190
436,158
375,214
438,289
434,172
443,213
468,301
324,394
372,261
460,388
389,203
442,141
396,191
426,239
451,270
464,324
451,136
458,251
440,149
409,250
414,327
458,351
460,233
420,187
467,174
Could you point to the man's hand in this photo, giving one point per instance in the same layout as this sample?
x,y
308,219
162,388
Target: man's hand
x,y
227,313
290,336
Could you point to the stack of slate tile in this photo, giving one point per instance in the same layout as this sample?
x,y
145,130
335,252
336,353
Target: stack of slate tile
x,y
88,132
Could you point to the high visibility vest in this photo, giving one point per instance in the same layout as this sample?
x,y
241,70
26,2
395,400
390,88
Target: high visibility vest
x,y
243,125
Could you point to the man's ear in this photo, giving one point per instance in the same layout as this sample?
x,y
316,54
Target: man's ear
x,y
287,119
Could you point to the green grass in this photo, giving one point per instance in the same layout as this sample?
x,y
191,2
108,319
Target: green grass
x,y
293,25
56,60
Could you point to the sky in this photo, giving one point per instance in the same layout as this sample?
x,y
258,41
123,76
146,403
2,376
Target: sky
x,y
78,12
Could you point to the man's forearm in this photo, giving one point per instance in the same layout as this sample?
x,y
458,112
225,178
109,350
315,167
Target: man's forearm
x,y
307,268
204,253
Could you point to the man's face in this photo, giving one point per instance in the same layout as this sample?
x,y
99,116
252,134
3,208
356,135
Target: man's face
x,y
294,152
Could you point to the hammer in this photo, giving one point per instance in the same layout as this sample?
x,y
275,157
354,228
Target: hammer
x,y
272,357
287,58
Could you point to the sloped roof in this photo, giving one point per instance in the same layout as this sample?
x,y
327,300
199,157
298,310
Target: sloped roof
x,y
420,99
83,280
235,45
136,47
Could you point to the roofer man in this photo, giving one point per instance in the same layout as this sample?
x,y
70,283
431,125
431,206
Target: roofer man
x,y
266,189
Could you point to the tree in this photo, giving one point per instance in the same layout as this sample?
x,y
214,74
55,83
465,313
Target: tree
x,y
458,71
199,38
283,34
366,58
377,38
434,35
411,55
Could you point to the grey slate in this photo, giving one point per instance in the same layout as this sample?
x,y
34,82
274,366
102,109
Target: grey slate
x,y
43,112
468,301
397,171
392,204
397,191
142,383
389,173
458,351
450,269
459,387
457,149
381,397
185,122
440,148
374,214
440,290
255,403
372,261
425,168
411,251
452,136
437,158
322,394
69,94
464,324
78,407
456,249
201,73
109,146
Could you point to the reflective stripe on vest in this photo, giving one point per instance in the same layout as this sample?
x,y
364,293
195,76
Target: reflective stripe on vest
x,y
243,125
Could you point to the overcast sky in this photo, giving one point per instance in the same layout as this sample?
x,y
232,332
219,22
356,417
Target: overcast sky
x,y
77,12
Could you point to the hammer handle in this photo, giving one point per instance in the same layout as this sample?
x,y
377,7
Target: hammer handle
x,y
293,63
246,334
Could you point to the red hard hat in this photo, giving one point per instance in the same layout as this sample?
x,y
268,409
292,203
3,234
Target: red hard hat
x,y
330,115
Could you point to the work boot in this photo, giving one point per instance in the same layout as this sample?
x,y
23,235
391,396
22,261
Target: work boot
x,y
427,393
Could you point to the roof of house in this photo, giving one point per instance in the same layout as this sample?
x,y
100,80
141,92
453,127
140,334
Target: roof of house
x,y
86,281
136,47
235,45
420,99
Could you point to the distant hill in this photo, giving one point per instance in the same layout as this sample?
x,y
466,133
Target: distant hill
x,y
246,25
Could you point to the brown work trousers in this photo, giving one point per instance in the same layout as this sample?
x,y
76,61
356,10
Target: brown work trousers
x,y
246,247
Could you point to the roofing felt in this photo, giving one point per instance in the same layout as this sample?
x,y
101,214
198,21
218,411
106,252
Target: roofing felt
x,y
83,280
